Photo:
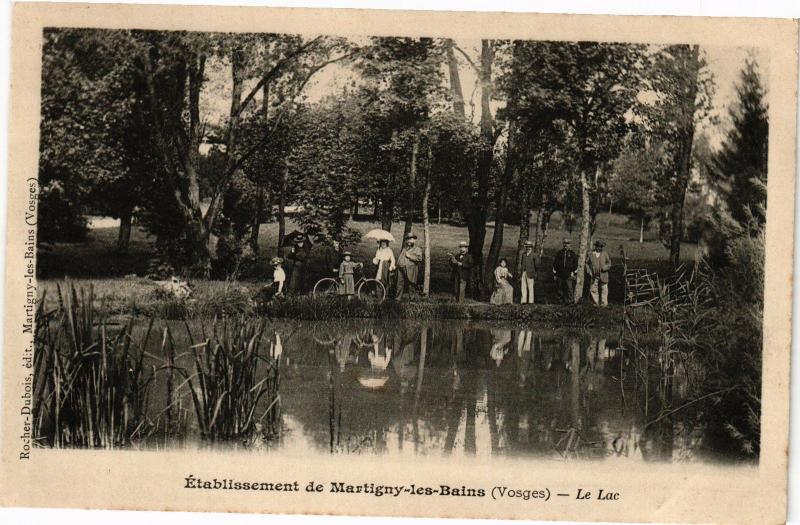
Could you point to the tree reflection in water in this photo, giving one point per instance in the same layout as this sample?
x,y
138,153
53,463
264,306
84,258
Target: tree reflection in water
x,y
461,388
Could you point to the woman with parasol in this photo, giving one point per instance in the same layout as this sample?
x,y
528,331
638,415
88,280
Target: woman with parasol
x,y
384,257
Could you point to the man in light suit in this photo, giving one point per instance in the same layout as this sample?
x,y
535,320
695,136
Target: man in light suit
x,y
528,273
597,266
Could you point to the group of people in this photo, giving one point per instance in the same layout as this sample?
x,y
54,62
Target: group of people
x,y
406,265
297,256
407,269
564,268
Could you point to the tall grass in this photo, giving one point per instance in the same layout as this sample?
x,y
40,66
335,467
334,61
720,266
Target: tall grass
x,y
91,386
93,380
224,384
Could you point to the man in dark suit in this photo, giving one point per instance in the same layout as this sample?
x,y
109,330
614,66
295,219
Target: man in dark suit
x,y
565,264
461,264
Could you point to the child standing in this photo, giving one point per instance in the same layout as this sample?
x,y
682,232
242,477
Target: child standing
x,y
346,279
278,276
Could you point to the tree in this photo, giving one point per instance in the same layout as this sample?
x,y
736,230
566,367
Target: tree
x,y
683,88
402,81
633,184
584,90
91,155
172,69
325,172
477,181
740,167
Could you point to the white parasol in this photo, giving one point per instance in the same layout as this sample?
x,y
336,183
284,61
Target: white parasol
x,y
379,235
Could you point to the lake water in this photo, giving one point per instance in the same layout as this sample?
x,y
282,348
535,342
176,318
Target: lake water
x,y
475,389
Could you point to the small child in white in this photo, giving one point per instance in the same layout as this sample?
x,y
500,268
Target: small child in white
x,y
278,276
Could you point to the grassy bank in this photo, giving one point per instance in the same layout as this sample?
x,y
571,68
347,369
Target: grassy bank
x,y
121,297
119,284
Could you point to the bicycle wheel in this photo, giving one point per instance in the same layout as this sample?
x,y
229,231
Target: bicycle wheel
x,y
326,287
372,290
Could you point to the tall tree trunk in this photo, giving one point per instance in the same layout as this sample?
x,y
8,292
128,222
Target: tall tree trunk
x,y
258,216
641,230
178,149
543,226
282,208
595,207
232,135
455,80
426,229
386,214
501,198
478,208
533,233
475,213
199,229
686,138
412,176
124,237
585,237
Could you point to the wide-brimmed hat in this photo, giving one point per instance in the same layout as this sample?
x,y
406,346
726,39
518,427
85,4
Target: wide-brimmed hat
x,y
529,243
566,240
276,260
346,253
463,244
411,236
599,243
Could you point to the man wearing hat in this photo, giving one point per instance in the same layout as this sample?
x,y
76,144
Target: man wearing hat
x,y
461,264
408,263
528,273
597,266
565,264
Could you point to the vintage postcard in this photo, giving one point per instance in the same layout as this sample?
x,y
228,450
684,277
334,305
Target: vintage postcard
x,y
441,264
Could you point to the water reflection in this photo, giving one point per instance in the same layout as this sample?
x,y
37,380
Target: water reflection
x,y
457,388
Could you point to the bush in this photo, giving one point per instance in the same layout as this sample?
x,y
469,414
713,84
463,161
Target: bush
x,y
734,361
60,218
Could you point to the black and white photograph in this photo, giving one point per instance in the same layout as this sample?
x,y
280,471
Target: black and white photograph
x,y
399,248
390,245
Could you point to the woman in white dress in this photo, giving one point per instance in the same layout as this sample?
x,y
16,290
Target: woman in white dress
x,y
503,292
384,259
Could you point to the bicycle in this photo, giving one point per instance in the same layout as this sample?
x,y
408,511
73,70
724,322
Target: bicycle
x,y
366,289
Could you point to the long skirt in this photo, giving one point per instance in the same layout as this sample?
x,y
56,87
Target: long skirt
x,y
503,294
383,273
296,278
348,286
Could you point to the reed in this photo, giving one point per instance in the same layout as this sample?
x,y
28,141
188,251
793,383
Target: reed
x,y
90,384
224,383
